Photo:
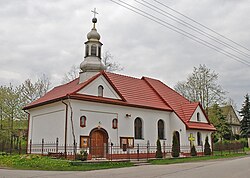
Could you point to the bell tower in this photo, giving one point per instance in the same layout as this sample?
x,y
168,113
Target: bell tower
x,y
92,63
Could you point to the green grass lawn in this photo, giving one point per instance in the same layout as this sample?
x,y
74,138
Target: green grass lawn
x,y
35,162
193,159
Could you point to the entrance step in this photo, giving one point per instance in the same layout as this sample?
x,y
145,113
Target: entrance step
x,y
140,162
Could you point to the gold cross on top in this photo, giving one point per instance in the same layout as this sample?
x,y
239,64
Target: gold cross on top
x,y
94,12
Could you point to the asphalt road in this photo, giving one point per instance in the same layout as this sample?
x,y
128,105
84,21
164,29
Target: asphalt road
x,y
231,168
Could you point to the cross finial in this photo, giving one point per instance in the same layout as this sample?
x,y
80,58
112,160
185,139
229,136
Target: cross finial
x,y
94,12
191,139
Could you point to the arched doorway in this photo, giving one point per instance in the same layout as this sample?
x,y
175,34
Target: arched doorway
x,y
98,143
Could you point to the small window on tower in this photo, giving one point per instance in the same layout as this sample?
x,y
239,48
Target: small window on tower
x,y
100,90
93,50
87,51
99,51
83,120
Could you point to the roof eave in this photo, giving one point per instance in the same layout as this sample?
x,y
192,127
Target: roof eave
x,y
44,103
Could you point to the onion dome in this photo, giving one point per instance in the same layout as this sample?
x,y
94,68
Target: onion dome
x,y
93,34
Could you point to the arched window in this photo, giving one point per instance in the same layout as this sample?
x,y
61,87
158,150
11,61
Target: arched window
x,y
138,128
115,123
198,116
161,129
99,51
83,121
199,139
100,90
87,51
93,50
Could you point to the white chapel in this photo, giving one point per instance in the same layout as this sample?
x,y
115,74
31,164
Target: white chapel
x,y
107,113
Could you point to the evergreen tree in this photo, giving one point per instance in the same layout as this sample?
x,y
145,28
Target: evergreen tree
x,y
207,150
193,151
158,151
219,121
245,122
175,146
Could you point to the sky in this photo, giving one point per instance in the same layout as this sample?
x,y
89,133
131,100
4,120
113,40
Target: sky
x,y
47,37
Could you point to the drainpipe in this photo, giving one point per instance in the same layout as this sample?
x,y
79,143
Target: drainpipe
x,y
66,128
27,145
72,126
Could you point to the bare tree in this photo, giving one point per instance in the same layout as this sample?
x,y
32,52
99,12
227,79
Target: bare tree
x,y
107,59
72,74
31,91
202,86
111,66
231,102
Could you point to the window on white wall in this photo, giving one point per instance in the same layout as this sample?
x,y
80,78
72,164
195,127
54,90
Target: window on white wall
x,y
138,128
199,139
83,120
161,129
198,117
100,90
115,123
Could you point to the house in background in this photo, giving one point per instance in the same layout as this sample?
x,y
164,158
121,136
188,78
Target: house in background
x,y
102,109
231,118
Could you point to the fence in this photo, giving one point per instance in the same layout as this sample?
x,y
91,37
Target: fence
x,y
109,151
13,146
230,147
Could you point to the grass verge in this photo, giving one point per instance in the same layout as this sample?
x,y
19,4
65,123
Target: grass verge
x,y
193,159
35,162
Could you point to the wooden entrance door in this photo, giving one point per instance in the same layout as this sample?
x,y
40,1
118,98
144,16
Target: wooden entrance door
x,y
98,143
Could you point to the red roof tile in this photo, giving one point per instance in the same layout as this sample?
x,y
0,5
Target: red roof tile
x,y
181,106
145,93
199,126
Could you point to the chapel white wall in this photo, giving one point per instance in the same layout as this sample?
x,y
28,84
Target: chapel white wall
x,y
177,125
92,88
105,113
47,122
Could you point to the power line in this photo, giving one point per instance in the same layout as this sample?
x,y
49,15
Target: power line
x,y
182,32
190,26
201,25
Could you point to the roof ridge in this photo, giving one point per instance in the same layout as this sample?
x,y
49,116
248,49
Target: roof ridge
x,y
170,89
158,94
122,75
65,84
113,85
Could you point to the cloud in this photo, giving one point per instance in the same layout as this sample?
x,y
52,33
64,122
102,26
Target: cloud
x,y
47,37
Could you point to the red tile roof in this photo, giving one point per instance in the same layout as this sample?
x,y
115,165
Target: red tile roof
x,y
181,106
144,93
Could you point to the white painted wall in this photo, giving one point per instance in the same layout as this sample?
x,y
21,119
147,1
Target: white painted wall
x,y
105,113
48,122
177,125
202,116
203,136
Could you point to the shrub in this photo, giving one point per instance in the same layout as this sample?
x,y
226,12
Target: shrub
x,y
175,146
243,141
207,150
83,156
158,151
193,151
